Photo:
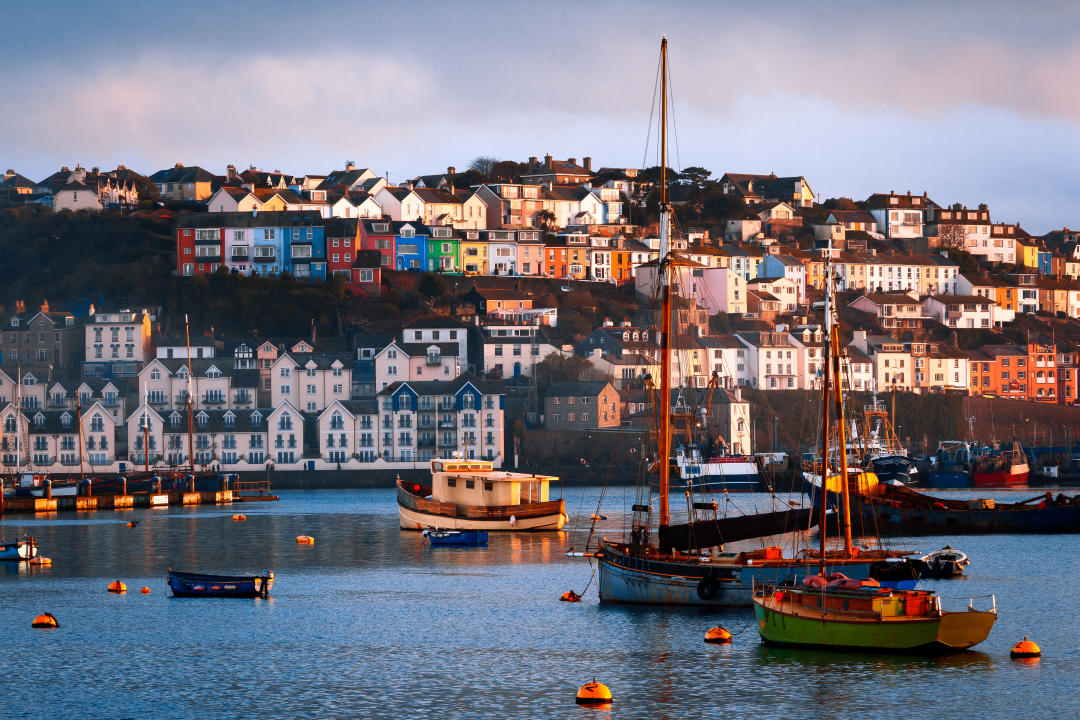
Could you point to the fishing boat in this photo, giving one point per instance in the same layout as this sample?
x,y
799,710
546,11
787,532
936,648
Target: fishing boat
x,y
19,550
834,611
201,585
686,563
948,562
858,615
716,473
895,510
435,536
472,495
950,467
1001,468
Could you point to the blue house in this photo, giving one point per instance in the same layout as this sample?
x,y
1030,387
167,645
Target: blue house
x,y
411,245
306,247
269,254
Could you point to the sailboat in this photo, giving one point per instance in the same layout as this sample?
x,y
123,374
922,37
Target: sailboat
x,y
836,612
676,568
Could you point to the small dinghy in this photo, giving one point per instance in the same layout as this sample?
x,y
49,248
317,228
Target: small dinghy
x,y
948,562
200,585
456,537
19,550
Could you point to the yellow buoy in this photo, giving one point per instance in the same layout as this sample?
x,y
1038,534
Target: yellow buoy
x,y
305,540
41,561
594,693
1025,649
570,596
717,635
145,590
239,518
117,587
45,620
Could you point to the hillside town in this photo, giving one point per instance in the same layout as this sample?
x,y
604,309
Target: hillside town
x,y
934,299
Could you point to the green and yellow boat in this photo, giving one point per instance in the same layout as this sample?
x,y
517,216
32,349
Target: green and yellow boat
x,y
868,618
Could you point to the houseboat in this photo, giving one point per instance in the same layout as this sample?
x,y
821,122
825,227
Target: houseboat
x,y
472,495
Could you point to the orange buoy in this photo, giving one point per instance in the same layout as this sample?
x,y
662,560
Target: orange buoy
x,y
46,621
717,635
145,590
117,587
594,693
570,596
39,560
1025,649
132,523
305,540
239,518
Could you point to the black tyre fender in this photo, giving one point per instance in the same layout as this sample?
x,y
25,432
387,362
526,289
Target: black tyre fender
x,y
707,587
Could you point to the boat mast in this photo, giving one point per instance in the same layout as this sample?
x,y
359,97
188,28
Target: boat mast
x,y
18,422
663,439
146,429
826,369
78,415
190,419
838,397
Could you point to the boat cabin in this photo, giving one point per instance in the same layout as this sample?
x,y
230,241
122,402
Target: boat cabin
x,y
476,482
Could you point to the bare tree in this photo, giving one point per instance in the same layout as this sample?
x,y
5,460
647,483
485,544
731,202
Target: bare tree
x,y
483,164
952,235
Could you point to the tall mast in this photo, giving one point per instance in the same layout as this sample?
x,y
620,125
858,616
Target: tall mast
x,y
146,429
190,419
18,421
838,397
826,370
663,440
78,414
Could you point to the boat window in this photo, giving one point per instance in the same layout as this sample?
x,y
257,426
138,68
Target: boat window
x,y
437,467
489,486
451,482
470,484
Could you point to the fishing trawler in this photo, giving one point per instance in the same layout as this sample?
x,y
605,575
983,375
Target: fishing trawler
x,y
1001,468
472,495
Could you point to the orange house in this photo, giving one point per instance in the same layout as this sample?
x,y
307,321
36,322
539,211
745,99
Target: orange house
x,y
621,265
554,264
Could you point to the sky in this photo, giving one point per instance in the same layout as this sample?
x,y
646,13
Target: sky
x,y
971,102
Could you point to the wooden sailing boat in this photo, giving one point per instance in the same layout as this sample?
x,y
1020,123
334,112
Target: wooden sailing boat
x,y
841,613
674,570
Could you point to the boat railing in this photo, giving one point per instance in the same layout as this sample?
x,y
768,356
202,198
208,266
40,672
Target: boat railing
x,y
250,488
970,602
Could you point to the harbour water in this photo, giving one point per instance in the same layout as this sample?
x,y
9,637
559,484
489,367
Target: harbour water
x,y
370,622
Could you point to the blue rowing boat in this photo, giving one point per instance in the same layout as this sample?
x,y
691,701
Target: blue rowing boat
x,y
199,585
456,537
19,550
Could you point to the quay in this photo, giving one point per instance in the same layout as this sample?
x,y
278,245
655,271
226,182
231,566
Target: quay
x,y
74,503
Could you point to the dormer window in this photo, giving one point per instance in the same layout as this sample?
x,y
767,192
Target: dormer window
x,y
213,372
174,418
229,419
65,420
201,419
408,232
39,420
182,373
256,419
380,227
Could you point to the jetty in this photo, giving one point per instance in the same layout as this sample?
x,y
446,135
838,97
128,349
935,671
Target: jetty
x,y
241,492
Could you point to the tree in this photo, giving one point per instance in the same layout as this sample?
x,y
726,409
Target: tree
x,y
695,177
483,164
547,219
558,368
432,285
952,236
842,203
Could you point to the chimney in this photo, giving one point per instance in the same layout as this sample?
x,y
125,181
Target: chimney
x,y
547,162
178,165
572,161
532,162
20,306
9,173
94,170
230,171
65,168
349,165
587,162
45,306
451,170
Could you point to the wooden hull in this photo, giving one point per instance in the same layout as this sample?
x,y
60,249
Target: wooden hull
x,y
626,579
895,510
416,513
949,632
200,585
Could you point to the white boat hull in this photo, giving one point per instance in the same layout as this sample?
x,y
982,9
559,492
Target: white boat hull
x,y
413,520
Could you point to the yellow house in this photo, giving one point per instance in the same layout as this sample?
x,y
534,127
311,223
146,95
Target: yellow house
x,y
577,262
474,256
1027,253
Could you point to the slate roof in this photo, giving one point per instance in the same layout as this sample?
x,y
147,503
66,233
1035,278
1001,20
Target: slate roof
x,y
581,388
445,387
182,175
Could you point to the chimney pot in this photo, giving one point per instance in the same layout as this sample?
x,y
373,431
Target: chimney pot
x,y
451,170
572,161
547,162
179,165
587,161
